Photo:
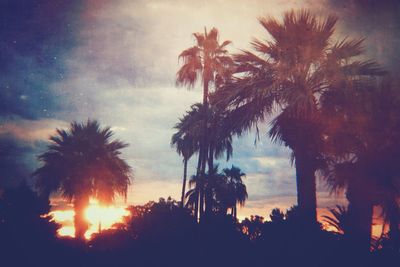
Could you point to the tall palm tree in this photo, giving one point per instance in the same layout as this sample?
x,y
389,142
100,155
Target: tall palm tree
x,y
286,77
209,62
80,163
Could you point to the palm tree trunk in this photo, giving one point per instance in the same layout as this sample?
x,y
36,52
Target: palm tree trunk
x,y
208,198
81,225
208,203
205,92
306,190
203,145
198,185
360,212
202,193
394,231
211,159
185,162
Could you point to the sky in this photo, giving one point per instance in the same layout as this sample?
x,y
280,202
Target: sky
x,y
116,61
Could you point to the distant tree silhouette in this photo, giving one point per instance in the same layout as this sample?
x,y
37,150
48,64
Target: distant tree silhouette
x,y
253,227
237,193
225,190
83,162
277,216
289,74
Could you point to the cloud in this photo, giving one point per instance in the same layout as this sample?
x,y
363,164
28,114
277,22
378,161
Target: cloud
x,y
31,130
21,141
376,21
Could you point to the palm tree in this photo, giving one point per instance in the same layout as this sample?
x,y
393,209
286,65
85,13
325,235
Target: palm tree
x,y
237,193
208,61
287,76
277,216
185,147
80,163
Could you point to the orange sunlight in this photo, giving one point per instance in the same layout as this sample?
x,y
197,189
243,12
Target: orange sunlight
x,y
99,217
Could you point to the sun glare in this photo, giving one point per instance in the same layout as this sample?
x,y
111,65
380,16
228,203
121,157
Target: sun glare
x,y
98,216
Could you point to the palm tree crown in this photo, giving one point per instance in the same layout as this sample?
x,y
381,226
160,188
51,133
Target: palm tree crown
x,y
208,61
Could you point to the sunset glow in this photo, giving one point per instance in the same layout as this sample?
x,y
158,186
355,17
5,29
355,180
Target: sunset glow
x,y
99,217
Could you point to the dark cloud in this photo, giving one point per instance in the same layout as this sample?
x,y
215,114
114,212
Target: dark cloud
x,y
35,39
17,160
378,22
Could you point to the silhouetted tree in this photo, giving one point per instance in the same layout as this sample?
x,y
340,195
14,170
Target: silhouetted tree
x,y
289,74
253,227
83,162
277,216
236,189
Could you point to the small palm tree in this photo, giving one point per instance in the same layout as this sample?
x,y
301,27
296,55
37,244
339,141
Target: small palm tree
x,y
277,216
80,163
237,193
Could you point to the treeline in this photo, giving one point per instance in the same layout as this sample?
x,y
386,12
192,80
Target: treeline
x,y
164,233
